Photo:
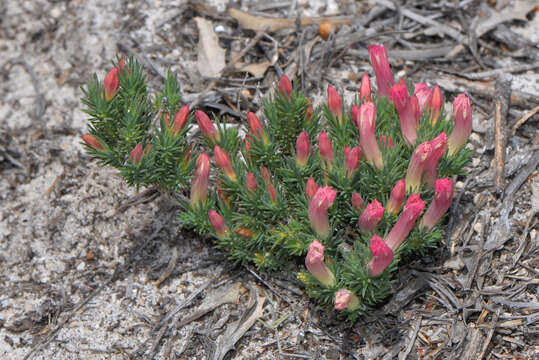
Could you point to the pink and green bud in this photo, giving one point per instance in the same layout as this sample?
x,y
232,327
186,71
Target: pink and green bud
x,y
91,141
438,148
357,201
314,261
382,256
334,102
136,154
256,126
365,89
380,64
111,83
318,209
412,209
285,86
302,149
199,184
250,182
367,127
206,126
387,141
345,300
396,199
352,158
324,146
272,193
435,104
443,194
371,216
180,119
406,110
264,173
422,92
218,224
416,167
223,161
462,112
311,187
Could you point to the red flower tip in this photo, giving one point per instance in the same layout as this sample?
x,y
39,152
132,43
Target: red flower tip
x,y
180,119
285,86
311,187
111,83
136,154
302,149
205,125
91,141
380,64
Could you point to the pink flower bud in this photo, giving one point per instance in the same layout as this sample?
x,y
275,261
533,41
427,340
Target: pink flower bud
x,y
439,147
314,261
334,102
324,146
285,86
367,127
223,161
206,126
435,104
416,167
302,149
180,119
365,89
91,141
272,193
405,108
318,208
345,299
111,83
371,216
218,224
311,187
462,129
250,182
264,172
256,126
199,184
412,209
357,201
443,194
382,256
386,141
352,158
136,154
309,111
422,92
380,64
396,199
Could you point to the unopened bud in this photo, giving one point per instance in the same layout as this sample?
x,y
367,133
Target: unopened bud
x,y
136,154
380,64
91,141
371,216
111,83
285,86
462,112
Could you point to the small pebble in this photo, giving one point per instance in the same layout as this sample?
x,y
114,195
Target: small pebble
x,y
478,228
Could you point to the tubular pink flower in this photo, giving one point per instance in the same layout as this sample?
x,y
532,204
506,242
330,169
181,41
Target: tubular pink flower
x,y
206,126
285,86
386,141
334,102
314,261
435,104
91,141
354,112
218,224
357,201
380,64
264,172
416,167
365,89
302,149
180,119
367,127
443,194
136,154
382,256
311,187
199,184
439,147
462,129
250,182
352,158
371,216
415,109
422,92
111,83
272,193
345,299
318,209
256,126
324,146
396,199
405,108
412,209
223,161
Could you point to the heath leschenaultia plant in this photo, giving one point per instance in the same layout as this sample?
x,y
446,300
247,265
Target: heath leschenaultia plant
x,y
351,189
